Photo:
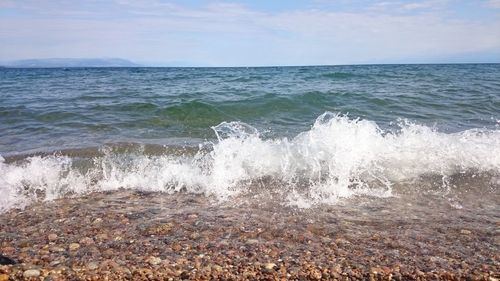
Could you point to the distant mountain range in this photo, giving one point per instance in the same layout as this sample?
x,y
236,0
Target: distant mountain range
x,y
70,62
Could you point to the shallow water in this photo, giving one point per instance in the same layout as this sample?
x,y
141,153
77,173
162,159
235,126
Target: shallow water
x,y
409,236
315,135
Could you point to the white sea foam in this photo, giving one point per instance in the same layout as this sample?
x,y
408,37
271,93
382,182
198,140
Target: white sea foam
x,y
338,157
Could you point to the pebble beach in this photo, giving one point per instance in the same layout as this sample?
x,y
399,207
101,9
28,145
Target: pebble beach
x,y
346,172
130,235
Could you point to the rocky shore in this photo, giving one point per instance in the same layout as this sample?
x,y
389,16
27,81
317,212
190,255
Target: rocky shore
x,y
128,235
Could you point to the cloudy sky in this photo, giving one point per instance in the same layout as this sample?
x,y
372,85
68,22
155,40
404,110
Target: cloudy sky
x,y
253,32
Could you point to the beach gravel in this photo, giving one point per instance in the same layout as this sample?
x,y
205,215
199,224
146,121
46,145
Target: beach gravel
x,y
141,236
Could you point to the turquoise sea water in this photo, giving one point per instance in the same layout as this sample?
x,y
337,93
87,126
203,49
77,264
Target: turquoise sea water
x,y
49,109
213,130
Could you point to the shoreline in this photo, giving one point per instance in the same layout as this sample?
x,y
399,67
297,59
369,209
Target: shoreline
x,y
126,235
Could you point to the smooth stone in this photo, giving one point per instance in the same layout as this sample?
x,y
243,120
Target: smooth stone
x,y
217,268
252,241
92,266
86,241
6,260
74,246
269,267
154,260
465,232
31,273
8,250
4,277
52,237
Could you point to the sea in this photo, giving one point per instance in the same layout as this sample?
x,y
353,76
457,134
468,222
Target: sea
x,y
310,136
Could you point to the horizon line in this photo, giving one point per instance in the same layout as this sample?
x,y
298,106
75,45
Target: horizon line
x,y
252,66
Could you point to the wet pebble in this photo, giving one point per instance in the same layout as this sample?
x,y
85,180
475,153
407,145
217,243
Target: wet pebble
x,y
52,237
92,266
31,273
86,241
154,260
465,232
6,260
268,267
74,246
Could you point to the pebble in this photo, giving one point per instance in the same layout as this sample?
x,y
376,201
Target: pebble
x,y
252,241
8,250
465,232
56,249
92,266
333,251
342,241
31,273
74,246
52,237
161,229
315,274
86,241
6,260
269,267
153,260
216,268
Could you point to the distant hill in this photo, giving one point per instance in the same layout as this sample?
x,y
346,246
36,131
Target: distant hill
x,y
71,62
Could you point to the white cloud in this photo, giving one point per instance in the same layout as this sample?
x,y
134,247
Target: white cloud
x,y
494,3
232,34
403,6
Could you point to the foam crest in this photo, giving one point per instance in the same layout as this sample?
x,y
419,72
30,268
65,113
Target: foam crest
x,y
338,157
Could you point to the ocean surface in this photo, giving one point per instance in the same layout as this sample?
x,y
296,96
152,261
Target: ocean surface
x,y
315,135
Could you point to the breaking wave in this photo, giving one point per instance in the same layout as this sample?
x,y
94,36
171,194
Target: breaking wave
x,y
338,157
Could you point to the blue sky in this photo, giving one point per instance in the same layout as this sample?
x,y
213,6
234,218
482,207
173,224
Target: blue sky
x,y
249,33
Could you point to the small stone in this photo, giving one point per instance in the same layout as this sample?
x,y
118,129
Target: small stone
x,y
96,221
153,260
56,249
342,241
184,275
268,267
315,274
177,247
31,273
125,270
216,268
465,232
8,250
87,241
74,246
6,260
52,237
102,236
92,266
161,229
252,241
55,262
248,274
4,277
50,278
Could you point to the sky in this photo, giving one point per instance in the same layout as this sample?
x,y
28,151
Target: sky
x,y
253,32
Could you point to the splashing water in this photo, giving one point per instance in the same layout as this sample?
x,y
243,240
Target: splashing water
x,y
338,157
